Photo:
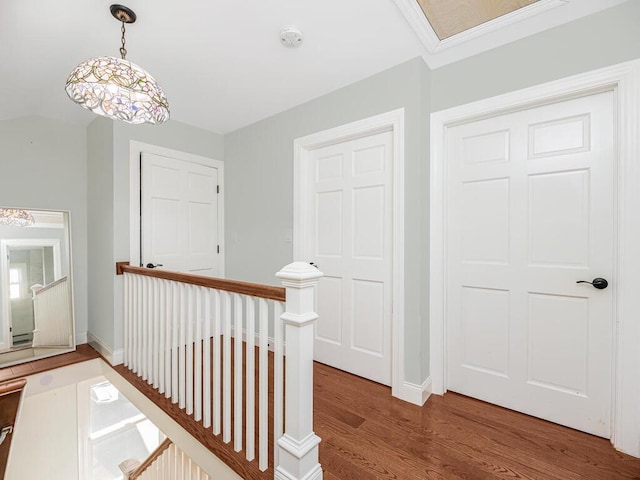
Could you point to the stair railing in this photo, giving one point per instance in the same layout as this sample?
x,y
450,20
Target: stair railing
x,y
203,341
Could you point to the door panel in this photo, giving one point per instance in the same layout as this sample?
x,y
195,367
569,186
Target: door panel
x,y
530,212
349,230
485,330
179,215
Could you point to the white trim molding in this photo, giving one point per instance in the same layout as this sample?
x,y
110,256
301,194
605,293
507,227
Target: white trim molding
x,y
624,80
391,121
417,394
135,150
114,357
534,18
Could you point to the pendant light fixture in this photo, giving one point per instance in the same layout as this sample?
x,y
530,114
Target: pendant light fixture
x,y
117,88
16,217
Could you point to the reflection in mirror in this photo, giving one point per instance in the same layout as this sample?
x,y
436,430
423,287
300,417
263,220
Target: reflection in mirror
x,y
36,303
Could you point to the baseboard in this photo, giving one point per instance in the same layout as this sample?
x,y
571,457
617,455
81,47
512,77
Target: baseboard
x,y
416,394
81,338
114,357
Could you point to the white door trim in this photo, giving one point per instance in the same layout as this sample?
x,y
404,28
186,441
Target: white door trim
x,y
625,80
393,121
135,149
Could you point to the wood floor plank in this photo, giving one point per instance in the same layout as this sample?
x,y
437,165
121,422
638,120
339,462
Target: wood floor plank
x,y
450,437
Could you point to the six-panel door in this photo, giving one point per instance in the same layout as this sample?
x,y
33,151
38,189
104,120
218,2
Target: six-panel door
x,y
530,212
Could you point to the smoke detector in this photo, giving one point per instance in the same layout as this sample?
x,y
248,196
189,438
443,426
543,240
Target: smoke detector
x,y
290,36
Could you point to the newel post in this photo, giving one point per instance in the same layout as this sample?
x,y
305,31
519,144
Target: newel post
x,y
298,447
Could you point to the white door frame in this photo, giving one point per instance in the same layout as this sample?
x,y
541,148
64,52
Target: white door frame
x,y
391,121
4,275
624,79
135,149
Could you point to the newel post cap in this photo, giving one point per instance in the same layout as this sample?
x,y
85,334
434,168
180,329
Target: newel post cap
x,y
299,274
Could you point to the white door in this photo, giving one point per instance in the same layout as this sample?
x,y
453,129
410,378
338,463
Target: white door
x,y
179,215
530,213
348,229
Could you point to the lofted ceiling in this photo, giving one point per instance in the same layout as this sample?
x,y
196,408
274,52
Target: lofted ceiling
x,y
220,62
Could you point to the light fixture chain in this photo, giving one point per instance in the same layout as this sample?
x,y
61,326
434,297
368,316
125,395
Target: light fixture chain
x,y
123,50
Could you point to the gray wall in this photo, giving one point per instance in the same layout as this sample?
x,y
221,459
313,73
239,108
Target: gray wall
x,y
605,38
43,164
259,186
100,225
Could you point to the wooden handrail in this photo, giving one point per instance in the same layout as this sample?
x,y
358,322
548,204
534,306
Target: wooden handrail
x,y
235,286
51,285
12,386
153,456
11,393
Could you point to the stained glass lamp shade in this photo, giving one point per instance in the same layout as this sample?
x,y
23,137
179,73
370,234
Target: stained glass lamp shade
x,y
15,217
119,89
116,87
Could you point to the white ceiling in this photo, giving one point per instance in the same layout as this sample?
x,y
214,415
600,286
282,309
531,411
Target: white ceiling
x,y
220,62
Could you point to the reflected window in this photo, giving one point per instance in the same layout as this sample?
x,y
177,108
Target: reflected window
x,y
16,277
118,431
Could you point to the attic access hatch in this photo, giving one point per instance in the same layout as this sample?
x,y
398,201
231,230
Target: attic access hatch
x,y
449,18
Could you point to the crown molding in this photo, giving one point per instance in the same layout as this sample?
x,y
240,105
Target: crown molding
x,y
508,28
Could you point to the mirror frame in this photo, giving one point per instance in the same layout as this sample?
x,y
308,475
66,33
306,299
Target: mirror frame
x,y
5,326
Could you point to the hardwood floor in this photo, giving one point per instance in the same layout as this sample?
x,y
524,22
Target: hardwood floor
x,y
82,354
367,434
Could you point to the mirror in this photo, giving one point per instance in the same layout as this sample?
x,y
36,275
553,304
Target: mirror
x,y
36,299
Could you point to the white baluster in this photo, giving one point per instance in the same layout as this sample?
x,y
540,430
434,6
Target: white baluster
x,y
217,330
173,456
155,327
147,338
150,315
127,320
226,366
190,341
237,366
182,384
298,447
251,378
132,321
141,334
168,319
263,313
206,395
198,371
175,341
135,327
166,456
162,334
